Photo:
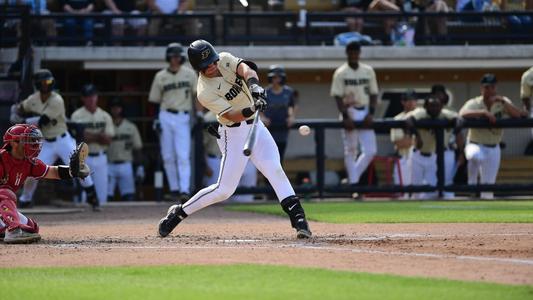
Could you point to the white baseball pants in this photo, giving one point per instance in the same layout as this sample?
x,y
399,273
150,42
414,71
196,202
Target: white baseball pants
x,y
265,157
449,171
423,171
214,164
484,162
98,165
248,179
366,139
121,174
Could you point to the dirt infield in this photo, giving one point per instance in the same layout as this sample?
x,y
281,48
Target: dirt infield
x,y
126,235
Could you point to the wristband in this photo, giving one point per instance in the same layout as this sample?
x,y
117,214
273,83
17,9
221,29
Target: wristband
x,y
247,112
252,80
64,172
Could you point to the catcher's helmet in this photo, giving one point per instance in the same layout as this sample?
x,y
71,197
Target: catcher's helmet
x,y
277,70
43,80
174,50
202,54
29,135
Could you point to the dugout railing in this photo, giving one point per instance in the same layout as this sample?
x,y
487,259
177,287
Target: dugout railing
x,y
321,190
271,28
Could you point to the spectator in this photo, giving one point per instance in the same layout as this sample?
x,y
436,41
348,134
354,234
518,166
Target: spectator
x,y
125,148
355,90
355,6
483,144
77,7
403,141
423,159
434,25
166,7
522,23
452,140
388,23
98,134
125,7
526,91
38,7
280,113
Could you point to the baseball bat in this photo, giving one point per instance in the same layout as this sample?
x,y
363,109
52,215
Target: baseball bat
x,y
250,139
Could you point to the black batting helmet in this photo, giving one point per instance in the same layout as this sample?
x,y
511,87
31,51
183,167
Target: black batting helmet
x,y
44,80
201,54
277,70
174,50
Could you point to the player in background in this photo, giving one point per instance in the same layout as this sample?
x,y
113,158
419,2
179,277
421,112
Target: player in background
x,y
98,132
403,141
355,90
526,91
18,161
124,152
281,111
174,91
229,87
423,159
48,113
483,144
453,141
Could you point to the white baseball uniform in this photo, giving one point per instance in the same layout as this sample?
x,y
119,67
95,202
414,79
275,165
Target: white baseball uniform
x,y
120,157
450,162
483,145
98,122
526,89
356,87
403,172
57,141
423,161
220,95
175,94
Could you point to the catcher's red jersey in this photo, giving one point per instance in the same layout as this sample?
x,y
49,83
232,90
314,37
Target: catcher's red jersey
x,y
13,172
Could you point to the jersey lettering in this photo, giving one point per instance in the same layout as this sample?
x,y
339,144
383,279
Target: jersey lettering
x,y
176,85
235,90
360,81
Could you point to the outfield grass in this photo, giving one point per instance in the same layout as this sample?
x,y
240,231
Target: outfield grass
x,y
409,212
236,282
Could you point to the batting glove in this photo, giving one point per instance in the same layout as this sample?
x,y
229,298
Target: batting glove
x,y
260,104
257,92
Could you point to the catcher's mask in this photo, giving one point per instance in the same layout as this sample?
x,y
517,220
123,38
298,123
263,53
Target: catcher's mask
x,y
29,136
44,81
201,54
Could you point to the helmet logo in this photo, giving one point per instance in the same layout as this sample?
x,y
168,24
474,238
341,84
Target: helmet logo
x,y
205,54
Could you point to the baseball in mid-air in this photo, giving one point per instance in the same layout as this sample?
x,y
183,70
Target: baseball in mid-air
x,y
304,130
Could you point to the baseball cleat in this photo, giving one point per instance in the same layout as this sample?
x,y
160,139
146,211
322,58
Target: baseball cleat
x,y
302,229
19,236
174,216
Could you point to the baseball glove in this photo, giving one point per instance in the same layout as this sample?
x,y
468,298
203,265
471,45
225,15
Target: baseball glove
x,y
78,167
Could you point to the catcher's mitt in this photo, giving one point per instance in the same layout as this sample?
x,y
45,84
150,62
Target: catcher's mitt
x,y
77,165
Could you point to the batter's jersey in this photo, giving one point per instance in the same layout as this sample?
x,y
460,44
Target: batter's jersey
x,y
221,94
98,122
429,144
13,172
174,90
398,133
126,139
526,84
360,83
489,136
210,142
53,107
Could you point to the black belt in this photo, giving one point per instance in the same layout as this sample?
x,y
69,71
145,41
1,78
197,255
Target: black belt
x,y
239,124
174,111
486,145
55,138
96,153
116,162
212,156
426,154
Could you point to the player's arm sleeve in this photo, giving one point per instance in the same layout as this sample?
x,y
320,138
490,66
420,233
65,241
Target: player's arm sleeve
x,y
137,142
229,62
39,169
155,91
525,87
373,84
469,105
109,128
337,86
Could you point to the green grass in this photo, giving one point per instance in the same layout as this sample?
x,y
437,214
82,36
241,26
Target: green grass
x,y
409,212
236,282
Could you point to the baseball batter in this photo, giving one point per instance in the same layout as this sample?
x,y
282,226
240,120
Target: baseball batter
x,y
174,90
403,141
18,161
125,146
99,131
483,144
526,91
49,110
423,160
355,90
229,87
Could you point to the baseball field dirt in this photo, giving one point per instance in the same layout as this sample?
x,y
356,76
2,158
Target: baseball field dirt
x,y
125,235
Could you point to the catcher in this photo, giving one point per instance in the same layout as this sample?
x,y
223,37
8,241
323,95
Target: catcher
x,y
18,160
